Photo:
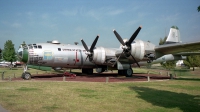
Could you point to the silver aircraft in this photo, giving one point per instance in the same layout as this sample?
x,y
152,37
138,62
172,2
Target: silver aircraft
x,y
131,51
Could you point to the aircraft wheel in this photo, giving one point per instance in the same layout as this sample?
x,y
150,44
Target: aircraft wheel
x,y
87,71
100,70
90,71
26,76
128,72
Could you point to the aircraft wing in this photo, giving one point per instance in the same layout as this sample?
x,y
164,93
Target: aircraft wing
x,y
187,53
178,48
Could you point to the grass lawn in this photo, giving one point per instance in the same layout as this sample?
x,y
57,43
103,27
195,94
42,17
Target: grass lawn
x,y
181,95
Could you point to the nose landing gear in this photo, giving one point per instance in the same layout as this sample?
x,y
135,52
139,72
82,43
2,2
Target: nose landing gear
x,y
26,75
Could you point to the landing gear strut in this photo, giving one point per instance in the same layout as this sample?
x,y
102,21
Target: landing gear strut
x,y
26,75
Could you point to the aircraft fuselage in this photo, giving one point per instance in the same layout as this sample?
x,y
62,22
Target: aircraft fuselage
x,y
57,55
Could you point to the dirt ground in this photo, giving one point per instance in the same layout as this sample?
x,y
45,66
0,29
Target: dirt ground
x,y
103,77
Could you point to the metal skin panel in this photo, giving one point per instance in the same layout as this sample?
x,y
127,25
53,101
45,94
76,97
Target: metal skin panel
x,y
174,35
176,48
164,58
99,55
138,50
168,57
69,56
123,66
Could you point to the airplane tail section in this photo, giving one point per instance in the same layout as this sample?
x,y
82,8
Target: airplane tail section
x,y
174,35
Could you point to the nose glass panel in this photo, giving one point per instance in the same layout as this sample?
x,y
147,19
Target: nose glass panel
x,y
19,52
23,54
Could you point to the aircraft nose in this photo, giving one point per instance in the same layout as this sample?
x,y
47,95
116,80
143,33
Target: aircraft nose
x,y
23,54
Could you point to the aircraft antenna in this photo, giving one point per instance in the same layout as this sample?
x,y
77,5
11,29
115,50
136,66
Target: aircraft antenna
x,y
76,43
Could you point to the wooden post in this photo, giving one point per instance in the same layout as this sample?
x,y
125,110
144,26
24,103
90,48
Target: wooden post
x,y
14,75
171,76
148,78
10,79
64,78
107,79
2,75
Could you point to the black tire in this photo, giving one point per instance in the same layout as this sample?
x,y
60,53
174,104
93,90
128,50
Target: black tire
x,y
120,72
128,72
26,76
87,71
90,71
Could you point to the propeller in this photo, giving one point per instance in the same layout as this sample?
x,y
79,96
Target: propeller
x,y
89,52
126,46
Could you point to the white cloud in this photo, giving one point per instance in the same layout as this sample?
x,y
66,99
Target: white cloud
x,y
16,25
115,12
30,13
69,12
131,23
169,18
45,16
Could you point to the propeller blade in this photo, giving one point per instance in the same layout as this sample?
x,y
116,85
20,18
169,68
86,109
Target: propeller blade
x,y
94,43
134,35
119,37
84,45
86,58
135,61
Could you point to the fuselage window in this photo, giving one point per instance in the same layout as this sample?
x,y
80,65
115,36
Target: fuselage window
x,y
39,46
35,47
59,49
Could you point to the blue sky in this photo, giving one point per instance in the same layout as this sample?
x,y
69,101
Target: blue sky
x,y
70,21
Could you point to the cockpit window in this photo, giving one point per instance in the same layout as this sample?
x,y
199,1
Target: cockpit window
x,y
35,47
39,47
30,47
59,49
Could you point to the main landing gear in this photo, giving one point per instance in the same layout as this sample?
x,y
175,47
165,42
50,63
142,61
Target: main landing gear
x,y
26,75
87,70
127,72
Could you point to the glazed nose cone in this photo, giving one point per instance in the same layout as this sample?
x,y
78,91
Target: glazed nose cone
x,y
23,54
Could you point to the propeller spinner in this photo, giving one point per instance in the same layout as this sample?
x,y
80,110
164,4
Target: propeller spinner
x,y
126,46
90,51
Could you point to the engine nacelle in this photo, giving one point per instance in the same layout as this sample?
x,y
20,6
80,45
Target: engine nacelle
x,y
99,55
138,50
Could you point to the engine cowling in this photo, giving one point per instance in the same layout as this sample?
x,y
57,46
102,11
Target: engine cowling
x,y
99,55
138,50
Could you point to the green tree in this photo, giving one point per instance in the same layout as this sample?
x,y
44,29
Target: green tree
x,y
9,53
169,64
198,8
0,54
162,41
192,61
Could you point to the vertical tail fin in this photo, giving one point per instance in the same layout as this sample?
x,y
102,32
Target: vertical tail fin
x,y
174,35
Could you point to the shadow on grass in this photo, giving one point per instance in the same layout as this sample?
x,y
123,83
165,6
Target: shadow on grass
x,y
188,79
167,99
